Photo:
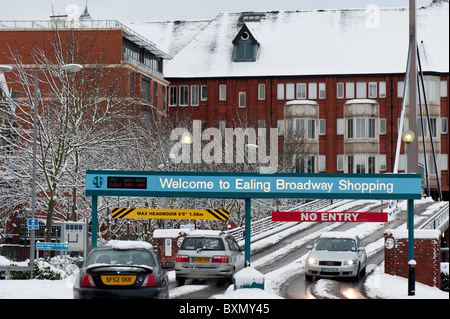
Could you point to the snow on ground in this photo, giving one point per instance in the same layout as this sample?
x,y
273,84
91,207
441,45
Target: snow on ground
x,y
378,284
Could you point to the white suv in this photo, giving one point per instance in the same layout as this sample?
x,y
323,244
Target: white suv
x,y
208,255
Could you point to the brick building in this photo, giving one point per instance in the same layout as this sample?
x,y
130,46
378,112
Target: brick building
x,y
335,77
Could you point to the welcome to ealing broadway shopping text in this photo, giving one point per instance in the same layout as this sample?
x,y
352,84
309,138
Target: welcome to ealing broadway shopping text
x,y
241,184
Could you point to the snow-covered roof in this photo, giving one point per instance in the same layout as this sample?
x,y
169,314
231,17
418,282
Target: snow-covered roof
x,y
318,42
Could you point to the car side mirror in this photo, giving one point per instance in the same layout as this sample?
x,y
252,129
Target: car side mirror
x,y
169,265
309,247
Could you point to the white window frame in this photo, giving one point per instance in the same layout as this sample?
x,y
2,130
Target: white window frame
x,y
340,90
203,90
242,99
290,91
183,98
222,92
349,90
322,163
322,91
301,91
361,90
195,95
312,91
280,91
382,90
373,90
261,91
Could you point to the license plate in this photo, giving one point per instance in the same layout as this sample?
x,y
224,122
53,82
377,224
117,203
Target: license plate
x,y
118,280
200,259
329,269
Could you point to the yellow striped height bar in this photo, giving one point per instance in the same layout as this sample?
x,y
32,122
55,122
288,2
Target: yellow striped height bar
x,y
161,213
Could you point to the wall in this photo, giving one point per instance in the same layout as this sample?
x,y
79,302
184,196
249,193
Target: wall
x,y
427,248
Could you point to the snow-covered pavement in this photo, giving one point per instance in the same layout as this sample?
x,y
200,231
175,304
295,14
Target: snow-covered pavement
x,y
378,284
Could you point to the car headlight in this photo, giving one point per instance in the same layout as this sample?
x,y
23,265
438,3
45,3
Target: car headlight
x,y
349,262
311,261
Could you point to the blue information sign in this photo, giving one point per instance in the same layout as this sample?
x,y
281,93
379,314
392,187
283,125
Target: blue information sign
x,y
52,246
249,185
33,224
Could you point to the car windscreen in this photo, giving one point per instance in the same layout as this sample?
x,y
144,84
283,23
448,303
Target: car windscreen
x,y
335,244
202,243
121,257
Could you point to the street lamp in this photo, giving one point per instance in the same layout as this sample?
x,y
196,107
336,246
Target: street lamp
x,y
65,67
187,139
408,137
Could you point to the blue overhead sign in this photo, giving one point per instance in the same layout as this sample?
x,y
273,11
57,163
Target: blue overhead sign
x,y
253,185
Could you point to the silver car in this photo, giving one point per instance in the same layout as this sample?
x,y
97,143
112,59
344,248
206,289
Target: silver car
x,y
208,255
336,254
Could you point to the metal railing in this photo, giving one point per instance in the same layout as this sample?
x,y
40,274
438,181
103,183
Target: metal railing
x,y
5,271
266,224
438,220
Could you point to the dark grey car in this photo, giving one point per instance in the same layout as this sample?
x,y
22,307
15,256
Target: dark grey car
x,y
122,269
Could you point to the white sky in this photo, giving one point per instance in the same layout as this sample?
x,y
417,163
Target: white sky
x,y
154,10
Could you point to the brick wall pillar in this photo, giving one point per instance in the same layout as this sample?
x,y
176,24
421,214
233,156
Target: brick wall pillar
x,y
426,253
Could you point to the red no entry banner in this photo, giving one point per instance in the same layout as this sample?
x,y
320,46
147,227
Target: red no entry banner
x,y
346,217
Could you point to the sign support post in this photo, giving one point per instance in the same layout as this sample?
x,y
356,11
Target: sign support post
x,y
94,221
248,220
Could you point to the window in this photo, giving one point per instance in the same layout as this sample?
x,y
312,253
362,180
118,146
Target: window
x,y
301,91
322,163
146,90
312,91
261,92
361,91
340,126
194,95
382,126
311,168
349,90
372,167
290,91
204,93
173,94
340,163
280,126
400,88
222,92
382,158
184,95
322,127
349,128
373,90
322,91
372,128
299,128
280,91
350,164
311,129
340,90
443,89
360,130
444,125
245,50
242,97
360,162
432,88
382,89
444,162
